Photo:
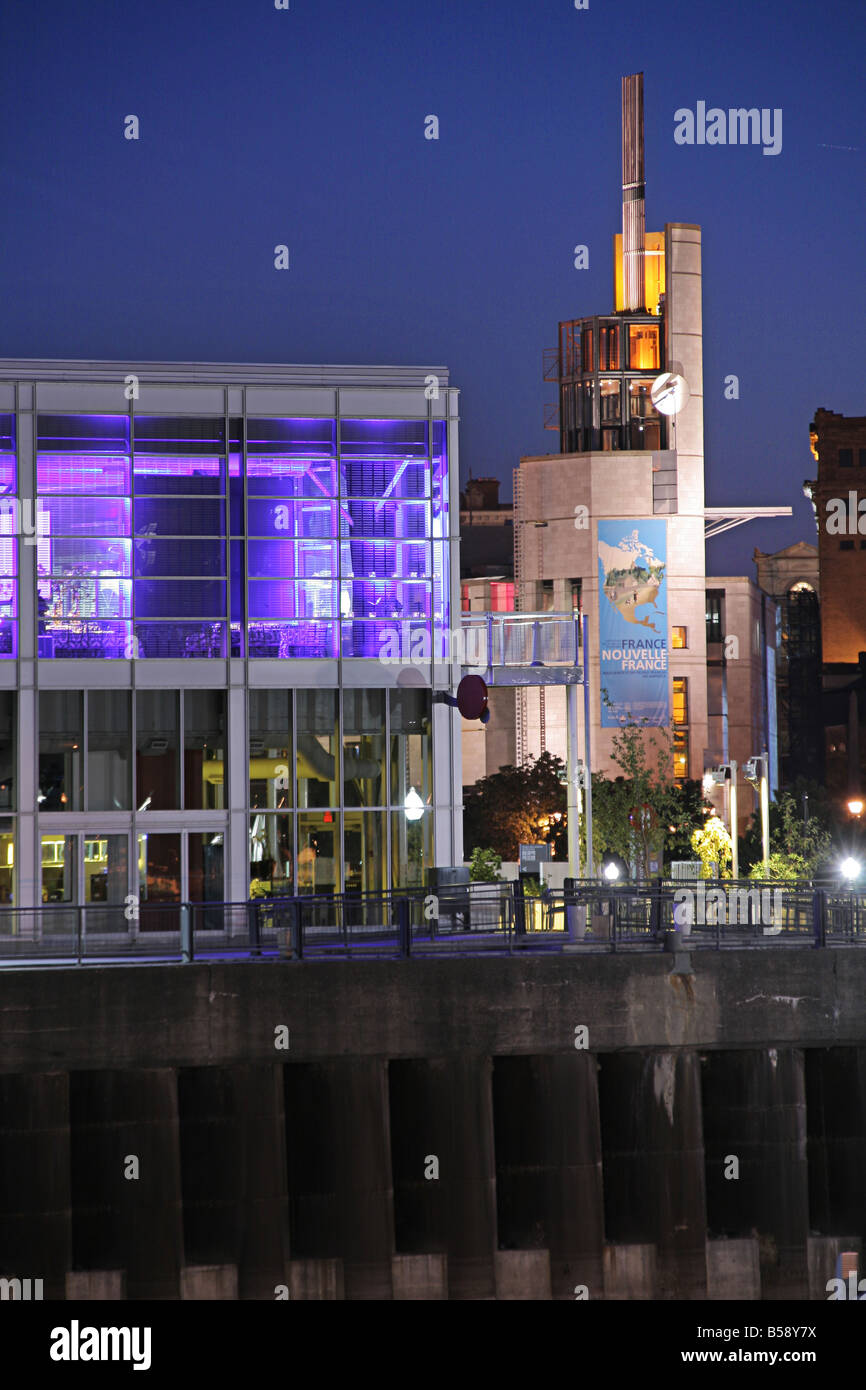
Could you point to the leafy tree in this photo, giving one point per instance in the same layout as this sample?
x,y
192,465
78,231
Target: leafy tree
x,y
712,845
503,811
781,868
806,844
484,866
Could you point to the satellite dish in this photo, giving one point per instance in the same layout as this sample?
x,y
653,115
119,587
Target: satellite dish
x,y
472,698
670,393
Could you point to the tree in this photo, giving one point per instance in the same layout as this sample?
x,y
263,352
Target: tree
x,y
484,866
806,844
712,844
503,811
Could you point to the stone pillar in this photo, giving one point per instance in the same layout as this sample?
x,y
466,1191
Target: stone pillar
x,y
733,1269
630,1272
96,1285
548,1164
444,1176
339,1169
209,1282
654,1163
35,1216
420,1276
123,1123
755,1132
233,1166
523,1274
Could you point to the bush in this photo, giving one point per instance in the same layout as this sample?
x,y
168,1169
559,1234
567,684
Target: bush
x,y
484,866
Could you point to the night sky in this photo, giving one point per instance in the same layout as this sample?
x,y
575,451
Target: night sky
x,y
306,127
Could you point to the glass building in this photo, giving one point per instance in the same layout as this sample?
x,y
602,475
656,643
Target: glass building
x,y
225,596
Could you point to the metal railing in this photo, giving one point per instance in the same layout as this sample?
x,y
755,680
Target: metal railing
x,y
470,919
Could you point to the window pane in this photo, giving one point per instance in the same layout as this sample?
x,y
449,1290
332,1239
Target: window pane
x,y
8,744
59,876
411,849
364,852
271,856
177,640
106,869
180,557
271,781
410,745
364,748
318,852
205,868
204,750
61,744
109,751
7,866
156,763
643,346
317,748
158,872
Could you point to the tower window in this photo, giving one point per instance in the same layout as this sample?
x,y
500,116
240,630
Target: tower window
x,y
643,346
679,639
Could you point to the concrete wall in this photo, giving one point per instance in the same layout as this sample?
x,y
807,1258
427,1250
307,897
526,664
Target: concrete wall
x,y
432,1130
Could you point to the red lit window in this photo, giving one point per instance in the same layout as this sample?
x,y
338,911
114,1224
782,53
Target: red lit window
x,y
502,598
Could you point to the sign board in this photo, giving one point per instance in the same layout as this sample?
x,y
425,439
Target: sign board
x,y
533,855
633,622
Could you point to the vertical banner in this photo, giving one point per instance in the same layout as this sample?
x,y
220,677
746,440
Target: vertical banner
x,y
633,622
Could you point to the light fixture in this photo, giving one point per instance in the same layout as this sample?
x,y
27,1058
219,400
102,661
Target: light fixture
x,y
850,869
611,872
855,806
413,805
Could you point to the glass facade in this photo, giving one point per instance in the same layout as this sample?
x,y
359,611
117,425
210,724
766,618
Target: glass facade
x,y
201,537
315,537
604,402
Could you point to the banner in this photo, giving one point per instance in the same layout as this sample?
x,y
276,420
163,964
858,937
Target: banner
x,y
633,622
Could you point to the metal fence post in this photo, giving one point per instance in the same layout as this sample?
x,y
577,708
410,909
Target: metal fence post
x,y
254,929
186,943
819,916
79,924
404,927
297,929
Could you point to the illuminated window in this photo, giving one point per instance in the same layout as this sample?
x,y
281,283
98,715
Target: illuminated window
x,y
502,598
611,406
681,755
465,600
643,346
679,640
586,350
639,399
681,700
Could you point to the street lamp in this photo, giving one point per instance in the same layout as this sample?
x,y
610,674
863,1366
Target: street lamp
x,y
757,771
718,776
855,806
611,872
850,869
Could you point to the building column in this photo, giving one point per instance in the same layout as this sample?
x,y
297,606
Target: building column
x,y
126,1188
548,1165
339,1169
35,1216
654,1163
444,1174
236,784
836,1119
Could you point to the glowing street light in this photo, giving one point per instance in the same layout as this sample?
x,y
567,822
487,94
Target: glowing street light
x,y
611,872
855,806
850,869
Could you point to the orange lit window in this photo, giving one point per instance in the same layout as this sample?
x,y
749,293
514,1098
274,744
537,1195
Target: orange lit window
x,y
502,598
643,346
588,364
681,700
465,601
681,755
678,639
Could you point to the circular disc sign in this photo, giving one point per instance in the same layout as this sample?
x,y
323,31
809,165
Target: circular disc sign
x,y
472,697
670,393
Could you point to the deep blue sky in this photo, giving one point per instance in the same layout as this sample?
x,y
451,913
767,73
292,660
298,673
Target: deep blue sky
x,y
305,127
